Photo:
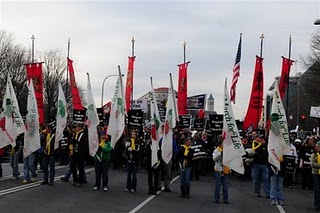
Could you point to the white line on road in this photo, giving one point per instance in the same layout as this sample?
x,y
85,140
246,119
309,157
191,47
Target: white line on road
x,y
150,198
281,210
32,185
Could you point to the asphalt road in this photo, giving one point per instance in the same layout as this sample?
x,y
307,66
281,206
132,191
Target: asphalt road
x,y
63,197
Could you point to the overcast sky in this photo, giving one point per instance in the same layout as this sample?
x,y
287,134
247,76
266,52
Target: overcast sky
x,y
101,32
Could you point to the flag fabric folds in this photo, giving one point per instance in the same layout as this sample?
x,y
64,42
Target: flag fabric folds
x,y
61,118
11,122
279,140
155,127
32,135
284,78
76,100
92,121
182,89
34,72
129,84
232,147
117,113
236,73
169,124
255,105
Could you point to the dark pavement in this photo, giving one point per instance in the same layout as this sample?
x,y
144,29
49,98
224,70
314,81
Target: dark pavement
x,y
63,197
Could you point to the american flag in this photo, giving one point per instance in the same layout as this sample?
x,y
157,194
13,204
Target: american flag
x,y
236,73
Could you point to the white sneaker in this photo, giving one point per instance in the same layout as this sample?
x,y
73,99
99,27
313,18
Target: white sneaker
x,y
96,188
24,181
132,191
105,189
126,190
33,179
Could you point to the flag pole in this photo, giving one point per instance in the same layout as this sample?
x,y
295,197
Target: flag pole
x,y
173,98
67,83
259,77
288,79
132,55
32,48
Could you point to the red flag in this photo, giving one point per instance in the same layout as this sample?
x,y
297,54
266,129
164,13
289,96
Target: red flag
x,y
284,79
76,100
182,89
129,84
236,73
255,105
34,71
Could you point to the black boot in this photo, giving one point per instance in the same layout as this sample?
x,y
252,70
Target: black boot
x,y
188,192
183,191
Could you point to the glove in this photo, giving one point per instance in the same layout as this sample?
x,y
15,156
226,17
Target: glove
x,y
250,152
127,144
129,149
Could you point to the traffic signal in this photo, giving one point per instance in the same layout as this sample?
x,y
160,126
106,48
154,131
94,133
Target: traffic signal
x,y
302,118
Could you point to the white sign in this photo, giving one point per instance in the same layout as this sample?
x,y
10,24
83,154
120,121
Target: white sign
x,y
140,104
315,112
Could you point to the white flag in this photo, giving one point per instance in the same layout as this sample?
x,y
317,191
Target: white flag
x,y
61,117
278,141
18,121
7,120
32,135
232,147
117,114
92,122
155,127
169,124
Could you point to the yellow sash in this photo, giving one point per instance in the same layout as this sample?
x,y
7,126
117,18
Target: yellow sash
x,y
48,143
255,146
133,144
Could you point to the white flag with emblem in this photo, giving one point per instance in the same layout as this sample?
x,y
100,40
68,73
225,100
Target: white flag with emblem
x,y
278,141
32,135
169,124
155,127
92,122
117,114
61,117
232,146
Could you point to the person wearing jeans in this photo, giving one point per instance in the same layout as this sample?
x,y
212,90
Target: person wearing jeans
x,y
132,150
277,177
28,163
184,156
221,174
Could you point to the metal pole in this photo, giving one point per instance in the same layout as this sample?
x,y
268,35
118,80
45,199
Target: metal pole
x,y
259,77
132,55
67,86
32,48
288,79
102,88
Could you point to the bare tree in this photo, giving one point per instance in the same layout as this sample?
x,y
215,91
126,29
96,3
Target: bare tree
x,y
12,60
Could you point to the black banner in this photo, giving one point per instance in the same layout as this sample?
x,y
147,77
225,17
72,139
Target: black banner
x,y
199,152
289,163
198,124
103,117
216,123
79,116
184,121
135,119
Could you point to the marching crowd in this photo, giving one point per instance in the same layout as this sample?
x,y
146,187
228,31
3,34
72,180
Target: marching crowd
x,y
194,154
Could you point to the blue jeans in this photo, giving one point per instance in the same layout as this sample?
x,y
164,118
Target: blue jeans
x,y
132,169
260,173
14,163
28,164
185,177
48,161
221,180
276,188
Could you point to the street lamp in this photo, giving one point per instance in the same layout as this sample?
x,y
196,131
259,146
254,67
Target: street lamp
x,y
102,88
